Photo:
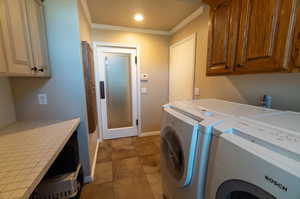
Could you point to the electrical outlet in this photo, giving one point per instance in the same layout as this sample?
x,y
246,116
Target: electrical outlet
x,y
42,98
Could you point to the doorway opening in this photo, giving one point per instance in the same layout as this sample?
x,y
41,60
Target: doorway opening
x,y
117,85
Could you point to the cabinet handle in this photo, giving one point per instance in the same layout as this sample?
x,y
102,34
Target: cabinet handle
x,y
34,69
41,70
102,90
239,65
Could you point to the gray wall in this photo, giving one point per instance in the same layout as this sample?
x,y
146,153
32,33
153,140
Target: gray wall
x,y
65,89
7,109
284,88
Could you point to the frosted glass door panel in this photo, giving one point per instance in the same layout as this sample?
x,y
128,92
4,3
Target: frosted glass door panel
x,y
118,90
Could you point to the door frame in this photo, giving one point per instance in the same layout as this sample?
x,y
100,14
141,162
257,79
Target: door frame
x,y
97,45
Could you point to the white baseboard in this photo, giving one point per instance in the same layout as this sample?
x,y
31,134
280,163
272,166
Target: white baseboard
x,y
95,160
89,179
150,133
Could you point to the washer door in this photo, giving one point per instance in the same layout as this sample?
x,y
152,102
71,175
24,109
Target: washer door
x,y
173,153
237,189
179,135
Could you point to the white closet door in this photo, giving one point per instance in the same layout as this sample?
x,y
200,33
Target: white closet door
x,y
182,68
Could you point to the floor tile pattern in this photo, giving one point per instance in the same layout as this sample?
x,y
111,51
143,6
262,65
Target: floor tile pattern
x,y
127,168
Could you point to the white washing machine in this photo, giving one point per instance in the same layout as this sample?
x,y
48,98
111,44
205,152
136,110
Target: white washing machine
x,y
186,134
255,160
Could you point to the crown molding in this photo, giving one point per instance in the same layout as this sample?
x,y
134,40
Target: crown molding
x,y
128,29
187,20
86,11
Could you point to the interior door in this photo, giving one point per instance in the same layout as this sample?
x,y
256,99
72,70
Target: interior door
x,y
118,92
182,65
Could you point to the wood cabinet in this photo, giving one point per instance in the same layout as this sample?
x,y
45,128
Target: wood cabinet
x,y
24,36
251,36
263,36
295,60
222,29
89,77
3,62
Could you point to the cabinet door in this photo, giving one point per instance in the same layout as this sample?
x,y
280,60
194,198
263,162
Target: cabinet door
x,y
296,50
3,62
223,29
15,36
37,30
263,35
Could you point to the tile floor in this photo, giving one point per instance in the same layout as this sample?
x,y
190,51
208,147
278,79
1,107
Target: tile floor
x,y
127,168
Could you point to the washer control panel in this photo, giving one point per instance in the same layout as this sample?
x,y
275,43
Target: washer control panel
x,y
270,134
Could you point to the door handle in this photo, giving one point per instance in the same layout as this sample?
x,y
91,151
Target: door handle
x,y
102,90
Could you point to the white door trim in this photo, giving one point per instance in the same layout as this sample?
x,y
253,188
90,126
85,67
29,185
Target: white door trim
x,y
96,45
192,36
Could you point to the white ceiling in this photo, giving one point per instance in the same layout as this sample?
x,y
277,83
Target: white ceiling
x,y
159,14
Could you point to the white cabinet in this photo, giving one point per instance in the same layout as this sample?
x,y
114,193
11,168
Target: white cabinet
x,y
24,36
37,31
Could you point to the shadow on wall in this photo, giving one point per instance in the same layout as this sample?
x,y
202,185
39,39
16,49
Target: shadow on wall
x,y
284,89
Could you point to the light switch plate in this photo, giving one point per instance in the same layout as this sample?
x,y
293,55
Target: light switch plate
x,y
42,99
144,91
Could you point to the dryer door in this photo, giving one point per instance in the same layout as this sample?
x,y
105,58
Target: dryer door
x,y
237,189
179,136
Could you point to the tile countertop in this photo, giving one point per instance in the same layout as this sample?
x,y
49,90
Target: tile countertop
x,y
26,154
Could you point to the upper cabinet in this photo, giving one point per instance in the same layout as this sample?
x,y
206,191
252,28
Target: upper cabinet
x,y
3,63
24,36
295,61
37,28
263,36
222,27
257,36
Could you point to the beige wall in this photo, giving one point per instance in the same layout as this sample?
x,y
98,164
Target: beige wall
x,y
7,109
84,25
154,57
284,88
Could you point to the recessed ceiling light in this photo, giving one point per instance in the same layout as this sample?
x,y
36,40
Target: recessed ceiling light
x,y
138,17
